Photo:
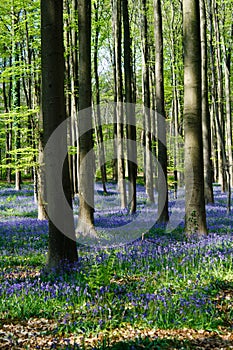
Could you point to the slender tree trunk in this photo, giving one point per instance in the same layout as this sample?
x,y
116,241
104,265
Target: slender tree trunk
x,y
206,130
62,242
130,111
40,179
215,139
222,168
16,103
8,127
119,105
227,71
86,155
68,78
72,87
175,106
146,104
16,93
214,143
195,216
114,160
99,131
27,83
162,147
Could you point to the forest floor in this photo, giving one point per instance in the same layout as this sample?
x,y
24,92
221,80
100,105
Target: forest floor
x,y
38,334
162,292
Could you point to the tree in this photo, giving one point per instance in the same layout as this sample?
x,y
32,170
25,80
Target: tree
x,y
130,112
86,160
16,91
195,215
99,131
62,243
146,105
71,86
220,110
117,33
162,149
206,129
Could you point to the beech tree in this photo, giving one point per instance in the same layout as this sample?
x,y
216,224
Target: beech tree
x,y
62,243
86,160
117,33
195,215
99,131
130,112
206,129
161,119
147,104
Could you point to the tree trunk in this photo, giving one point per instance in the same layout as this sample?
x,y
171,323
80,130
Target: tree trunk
x,y
162,148
72,88
16,104
130,111
195,215
86,155
146,104
175,107
222,168
206,129
119,107
214,111
16,94
99,131
227,71
62,242
8,127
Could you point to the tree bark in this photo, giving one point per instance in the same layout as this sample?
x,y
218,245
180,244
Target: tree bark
x,y
161,118
206,129
227,71
195,215
116,7
146,104
218,57
8,144
130,111
86,155
62,242
99,131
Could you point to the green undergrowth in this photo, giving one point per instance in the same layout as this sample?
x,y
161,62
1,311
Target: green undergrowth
x,y
164,282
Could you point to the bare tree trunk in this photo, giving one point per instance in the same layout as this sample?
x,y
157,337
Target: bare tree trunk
x,y
72,88
8,127
18,179
119,106
206,130
113,52
214,142
215,139
86,155
222,167
130,111
40,178
16,94
162,143
175,106
62,241
195,215
146,104
99,131
227,71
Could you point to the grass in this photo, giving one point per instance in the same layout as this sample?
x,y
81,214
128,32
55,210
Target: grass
x,y
163,282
